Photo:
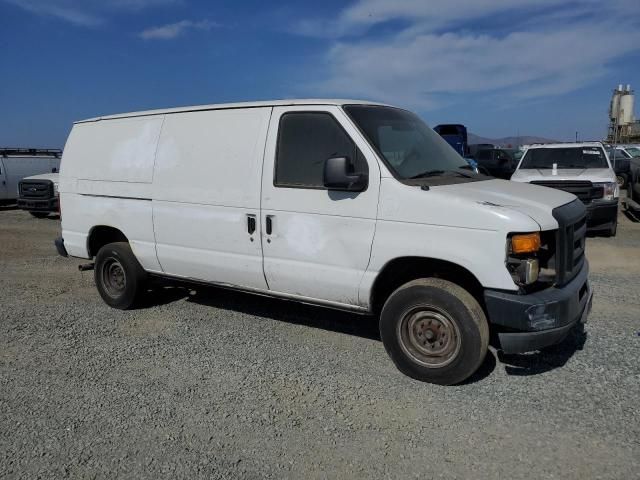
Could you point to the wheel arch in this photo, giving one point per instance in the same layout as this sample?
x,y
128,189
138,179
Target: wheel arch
x,y
101,235
401,270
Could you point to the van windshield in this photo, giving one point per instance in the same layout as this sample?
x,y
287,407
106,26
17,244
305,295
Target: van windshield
x,y
569,157
409,147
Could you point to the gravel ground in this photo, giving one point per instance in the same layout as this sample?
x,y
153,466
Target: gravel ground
x,y
204,382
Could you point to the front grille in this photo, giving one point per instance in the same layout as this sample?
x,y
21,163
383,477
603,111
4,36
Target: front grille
x,y
585,191
570,241
36,189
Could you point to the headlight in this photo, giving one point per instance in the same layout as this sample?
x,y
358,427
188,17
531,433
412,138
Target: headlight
x,y
55,189
525,243
610,190
522,261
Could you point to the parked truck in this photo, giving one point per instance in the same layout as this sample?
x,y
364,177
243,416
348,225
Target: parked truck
x,y
18,163
38,194
340,203
455,135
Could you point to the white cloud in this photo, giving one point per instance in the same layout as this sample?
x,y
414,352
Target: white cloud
x,y
431,59
173,30
89,13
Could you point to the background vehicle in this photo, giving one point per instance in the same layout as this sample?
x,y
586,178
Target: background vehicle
x,y
619,158
38,194
455,135
498,162
632,202
345,204
579,168
17,163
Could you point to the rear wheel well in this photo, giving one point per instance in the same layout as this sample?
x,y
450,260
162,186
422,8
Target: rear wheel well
x,y
102,235
402,270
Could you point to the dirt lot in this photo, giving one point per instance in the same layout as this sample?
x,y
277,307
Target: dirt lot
x,y
207,383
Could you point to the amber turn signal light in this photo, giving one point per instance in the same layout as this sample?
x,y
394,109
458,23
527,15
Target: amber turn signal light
x,y
525,243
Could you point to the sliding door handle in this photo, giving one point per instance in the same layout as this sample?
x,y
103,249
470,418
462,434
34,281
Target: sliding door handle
x,y
269,226
251,224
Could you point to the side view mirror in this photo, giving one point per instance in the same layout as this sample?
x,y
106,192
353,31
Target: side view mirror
x,y
338,177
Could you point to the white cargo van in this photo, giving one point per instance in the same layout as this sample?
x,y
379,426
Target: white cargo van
x,y
345,204
18,163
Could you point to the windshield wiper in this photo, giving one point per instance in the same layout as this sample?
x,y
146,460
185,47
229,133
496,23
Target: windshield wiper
x,y
428,173
436,173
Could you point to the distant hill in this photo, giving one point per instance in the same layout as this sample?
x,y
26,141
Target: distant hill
x,y
508,141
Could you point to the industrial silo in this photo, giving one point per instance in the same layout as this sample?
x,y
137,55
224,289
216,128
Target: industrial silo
x,y
626,100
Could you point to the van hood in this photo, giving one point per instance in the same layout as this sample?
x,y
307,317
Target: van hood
x,y
585,174
532,200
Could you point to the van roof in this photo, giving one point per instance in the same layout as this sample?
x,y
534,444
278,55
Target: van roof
x,y
223,106
565,145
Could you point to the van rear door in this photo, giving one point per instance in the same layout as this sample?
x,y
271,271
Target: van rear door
x,y
316,242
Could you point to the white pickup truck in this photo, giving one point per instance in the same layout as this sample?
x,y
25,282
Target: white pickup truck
x,y
38,194
583,169
340,203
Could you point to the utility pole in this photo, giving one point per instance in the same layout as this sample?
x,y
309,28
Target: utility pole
x,y
576,136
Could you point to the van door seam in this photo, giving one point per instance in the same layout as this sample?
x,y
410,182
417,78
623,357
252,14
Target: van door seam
x,y
153,213
264,156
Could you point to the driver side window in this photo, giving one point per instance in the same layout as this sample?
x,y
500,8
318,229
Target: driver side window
x,y
305,141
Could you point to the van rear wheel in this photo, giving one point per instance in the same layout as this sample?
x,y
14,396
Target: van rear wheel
x,y
434,331
118,275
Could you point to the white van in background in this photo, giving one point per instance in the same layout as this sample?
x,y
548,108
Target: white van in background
x,y
583,169
18,163
346,204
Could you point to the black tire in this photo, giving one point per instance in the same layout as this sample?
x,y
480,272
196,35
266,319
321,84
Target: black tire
x,y
457,325
40,214
118,275
613,230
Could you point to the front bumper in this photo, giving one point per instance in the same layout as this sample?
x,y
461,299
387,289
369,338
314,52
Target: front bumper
x,y
529,322
42,205
602,214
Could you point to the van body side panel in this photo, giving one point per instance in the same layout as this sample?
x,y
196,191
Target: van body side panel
x,y
132,217
444,224
206,185
321,240
105,179
119,150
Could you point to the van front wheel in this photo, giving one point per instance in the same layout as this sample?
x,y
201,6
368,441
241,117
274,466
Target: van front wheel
x,y
118,275
434,331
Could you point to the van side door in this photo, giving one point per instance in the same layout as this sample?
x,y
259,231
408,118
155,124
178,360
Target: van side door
x,y
206,195
316,241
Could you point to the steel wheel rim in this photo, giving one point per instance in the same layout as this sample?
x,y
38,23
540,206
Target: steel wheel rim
x,y
113,277
429,336
620,180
